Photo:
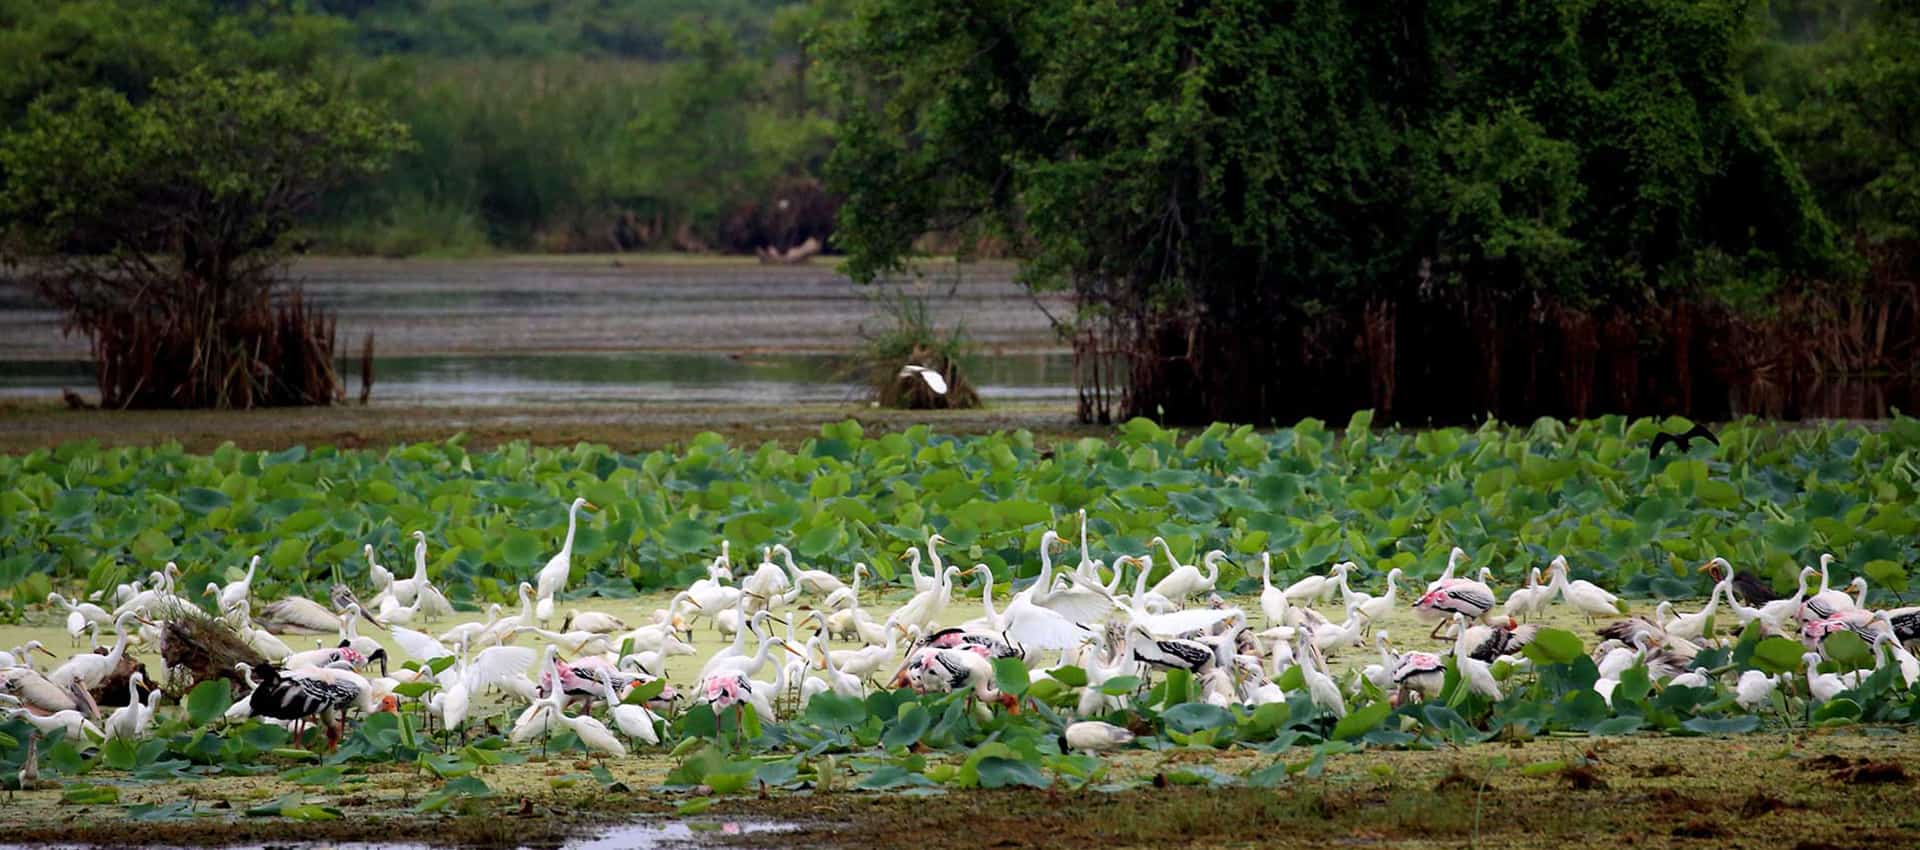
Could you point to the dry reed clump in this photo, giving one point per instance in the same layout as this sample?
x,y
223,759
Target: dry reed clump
x,y
913,392
913,339
266,355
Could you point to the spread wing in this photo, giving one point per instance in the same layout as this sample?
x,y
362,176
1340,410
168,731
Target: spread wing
x,y
1190,620
1034,627
1075,603
1660,441
419,645
499,665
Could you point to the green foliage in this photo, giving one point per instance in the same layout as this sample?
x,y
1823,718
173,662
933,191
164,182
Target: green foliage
x,y
1837,85
158,228
55,50
82,515
208,701
1213,153
716,135
212,168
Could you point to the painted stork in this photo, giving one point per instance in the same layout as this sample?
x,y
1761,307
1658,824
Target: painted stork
x,y
326,692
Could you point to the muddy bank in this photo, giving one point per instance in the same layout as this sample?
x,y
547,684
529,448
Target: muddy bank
x,y
1561,793
25,426
606,303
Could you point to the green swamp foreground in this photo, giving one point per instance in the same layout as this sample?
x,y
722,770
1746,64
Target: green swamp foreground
x,y
1840,790
1768,498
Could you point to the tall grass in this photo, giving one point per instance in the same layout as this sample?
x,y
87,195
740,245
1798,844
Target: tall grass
x,y
512,154
910,336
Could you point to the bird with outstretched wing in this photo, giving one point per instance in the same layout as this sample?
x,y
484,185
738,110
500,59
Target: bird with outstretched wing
x,y
1684,440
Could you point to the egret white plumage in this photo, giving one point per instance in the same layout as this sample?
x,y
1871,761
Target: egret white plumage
x,y
22,655
89,670
77,728
1184,580
1477,674
1025,623
133,720
1093,736
1314,588
1531,600
1778,614
1377,608
1585,596
553,577
934,380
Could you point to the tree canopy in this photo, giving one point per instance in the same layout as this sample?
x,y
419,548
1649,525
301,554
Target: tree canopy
x,y
1593,150
162,222
1249,198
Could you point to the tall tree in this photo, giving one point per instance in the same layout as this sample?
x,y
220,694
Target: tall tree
x,y
1238,189
160,228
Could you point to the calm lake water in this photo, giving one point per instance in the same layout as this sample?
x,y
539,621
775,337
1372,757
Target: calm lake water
x,y
574,331
633,377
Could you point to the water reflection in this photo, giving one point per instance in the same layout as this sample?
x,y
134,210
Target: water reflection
x,y
633,836
644,377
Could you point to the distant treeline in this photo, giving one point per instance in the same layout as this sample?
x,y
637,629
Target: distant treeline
x,y
1264,210
539,125
1437,210
589,125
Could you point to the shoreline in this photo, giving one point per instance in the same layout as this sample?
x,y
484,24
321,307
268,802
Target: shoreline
x,y
27,426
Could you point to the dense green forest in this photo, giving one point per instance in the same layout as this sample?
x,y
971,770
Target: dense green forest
x,y
558,125
596,124
1433,210
1665,204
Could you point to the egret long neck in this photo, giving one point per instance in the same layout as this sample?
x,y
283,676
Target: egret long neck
x,y
1173,563
986,597
573,522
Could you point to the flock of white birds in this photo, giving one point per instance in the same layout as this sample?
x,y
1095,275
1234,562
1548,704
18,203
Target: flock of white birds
x,y
796,633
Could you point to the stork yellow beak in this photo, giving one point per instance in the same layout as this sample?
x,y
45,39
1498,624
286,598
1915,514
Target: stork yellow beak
x,y
591,506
